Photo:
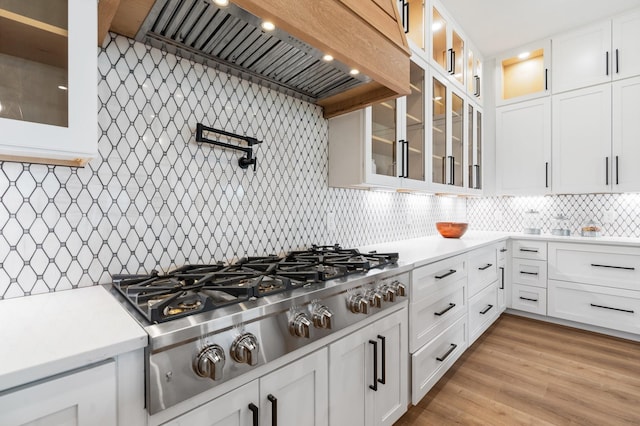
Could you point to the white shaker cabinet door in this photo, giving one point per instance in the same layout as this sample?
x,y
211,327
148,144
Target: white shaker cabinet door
x,y
626,45
581,152
626,135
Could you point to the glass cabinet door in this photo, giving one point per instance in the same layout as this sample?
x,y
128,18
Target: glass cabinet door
x,y
457,140
524,73
457,65
478,151
412,15
415,120
439,38
384,148
438,132
474,147
34,61
471,83
470,147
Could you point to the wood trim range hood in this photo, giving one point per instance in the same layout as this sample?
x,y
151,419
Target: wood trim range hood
x,y
366,35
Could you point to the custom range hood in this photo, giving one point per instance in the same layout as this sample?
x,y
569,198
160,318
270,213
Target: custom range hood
x,y
364,35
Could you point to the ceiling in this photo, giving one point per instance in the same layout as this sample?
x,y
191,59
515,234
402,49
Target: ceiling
x,y
499,25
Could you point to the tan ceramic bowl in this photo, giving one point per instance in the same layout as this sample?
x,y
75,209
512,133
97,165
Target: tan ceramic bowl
x,y
452,229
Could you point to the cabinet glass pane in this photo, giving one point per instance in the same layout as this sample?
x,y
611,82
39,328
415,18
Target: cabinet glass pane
x,y
523,74
471,130
458,64
470,80
33,61
416,21
383,137
439,132
415,123
457,138
439,38
479,150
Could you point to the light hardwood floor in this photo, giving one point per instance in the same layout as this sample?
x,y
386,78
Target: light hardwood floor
x,y
527,372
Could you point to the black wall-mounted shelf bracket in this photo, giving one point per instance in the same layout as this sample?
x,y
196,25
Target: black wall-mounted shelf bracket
x,y
243,162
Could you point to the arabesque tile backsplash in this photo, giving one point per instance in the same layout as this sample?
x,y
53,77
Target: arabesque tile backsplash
x,y
155,199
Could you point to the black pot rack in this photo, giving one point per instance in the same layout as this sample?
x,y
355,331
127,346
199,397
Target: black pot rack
x,y
243,162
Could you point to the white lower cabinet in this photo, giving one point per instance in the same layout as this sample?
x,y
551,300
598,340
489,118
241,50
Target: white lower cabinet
x,y
529,272
613,308
368,374
292,395
483,310
83,398
430,363
529,299
482,269
503,274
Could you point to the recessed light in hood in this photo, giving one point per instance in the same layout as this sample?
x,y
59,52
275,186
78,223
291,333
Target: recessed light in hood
x,y
233,40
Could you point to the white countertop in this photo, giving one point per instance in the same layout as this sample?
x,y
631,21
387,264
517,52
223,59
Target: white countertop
x,y
47,334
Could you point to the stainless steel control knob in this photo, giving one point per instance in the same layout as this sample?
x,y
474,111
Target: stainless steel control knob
x,y
401,289
358,304
210,362
321,316
299,325
245,349
389,293
375,298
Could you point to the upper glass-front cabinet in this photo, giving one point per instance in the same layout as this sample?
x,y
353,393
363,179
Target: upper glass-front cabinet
x,y
412,14
474,73
48,89
384,139
524,73
447,46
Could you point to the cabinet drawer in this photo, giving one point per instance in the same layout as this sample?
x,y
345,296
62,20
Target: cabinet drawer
x,y
602,306
608,266
432,278
483,310
432,315
430,363
529,299
482,269
528,249
529,272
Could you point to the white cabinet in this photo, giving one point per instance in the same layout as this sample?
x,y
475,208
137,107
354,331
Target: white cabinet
x,y
626,45
295,394
473,146
581,149
529,299
483,311
50,54
529,276
382,145
523,148
368,374
83,398
503,274
474,74
626,134
523,74
482,269
447,45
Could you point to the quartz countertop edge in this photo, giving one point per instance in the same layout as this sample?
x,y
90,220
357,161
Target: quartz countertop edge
x,y
47,334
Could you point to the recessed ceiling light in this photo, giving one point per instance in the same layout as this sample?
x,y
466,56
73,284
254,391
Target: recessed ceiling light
x,y
268,26
221,2
354,72
327,58
61,87
524,55
436,26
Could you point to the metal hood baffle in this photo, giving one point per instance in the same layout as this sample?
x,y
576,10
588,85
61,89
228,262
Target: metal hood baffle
x,y
231,39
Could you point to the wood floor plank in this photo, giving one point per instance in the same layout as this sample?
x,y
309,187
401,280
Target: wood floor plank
x,y
528,372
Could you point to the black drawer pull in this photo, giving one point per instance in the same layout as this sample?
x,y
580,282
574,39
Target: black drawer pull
x,y
530,300
528,273
445,310
383,380
502,250
528,250
487,309
626,268
445,356
487,266
274,409
254,411
629,311
451,272
374,386
502,278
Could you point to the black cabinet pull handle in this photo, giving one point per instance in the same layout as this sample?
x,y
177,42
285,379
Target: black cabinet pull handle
x,y
274,409
406,147
606,170
383,380
401,143
374,386
617,169
617,62
254,411
607,60
546,174
445,310
446,355
546,79
450,67
451,272
528,250
487,266
502,279
477,78
502,250
627,268
444,170
529,273
477,185
629,311
452,171
487,309
530,300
